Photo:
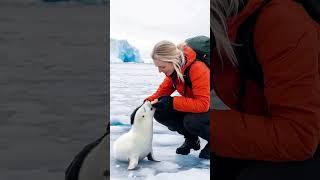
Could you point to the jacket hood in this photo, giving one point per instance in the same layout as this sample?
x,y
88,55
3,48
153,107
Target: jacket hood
x,y
190,56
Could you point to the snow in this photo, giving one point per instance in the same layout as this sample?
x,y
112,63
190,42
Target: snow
x,y
130,84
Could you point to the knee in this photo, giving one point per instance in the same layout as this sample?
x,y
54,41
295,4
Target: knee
x,y
165,119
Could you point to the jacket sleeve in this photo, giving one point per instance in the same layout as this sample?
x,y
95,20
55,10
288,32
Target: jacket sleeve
x,y
200,78
292,90
166,88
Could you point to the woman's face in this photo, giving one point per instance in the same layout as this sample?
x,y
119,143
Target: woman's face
x,y
164,67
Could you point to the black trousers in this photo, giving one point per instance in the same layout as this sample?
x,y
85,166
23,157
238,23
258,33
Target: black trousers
x,y
190,125
222,168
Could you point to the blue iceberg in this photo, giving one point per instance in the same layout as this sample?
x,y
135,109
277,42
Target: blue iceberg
x,y
121,49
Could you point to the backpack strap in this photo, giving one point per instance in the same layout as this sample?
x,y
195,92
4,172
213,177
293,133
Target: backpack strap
x,y
187,80
186,77
249,67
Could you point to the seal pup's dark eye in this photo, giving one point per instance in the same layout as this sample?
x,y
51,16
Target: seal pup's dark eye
x,y
142,116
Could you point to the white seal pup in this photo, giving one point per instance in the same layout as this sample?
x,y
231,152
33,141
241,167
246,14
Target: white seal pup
x,y
136,144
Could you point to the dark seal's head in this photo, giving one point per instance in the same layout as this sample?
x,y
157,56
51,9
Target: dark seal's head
x,y
133,114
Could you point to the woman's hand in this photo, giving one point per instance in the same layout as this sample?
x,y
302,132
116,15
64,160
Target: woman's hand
x,y
154,101
164,103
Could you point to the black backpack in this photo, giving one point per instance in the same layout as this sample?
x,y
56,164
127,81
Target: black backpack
x,y
201,45
249,67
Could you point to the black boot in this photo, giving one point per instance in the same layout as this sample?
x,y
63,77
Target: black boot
x,y
205,152
188,144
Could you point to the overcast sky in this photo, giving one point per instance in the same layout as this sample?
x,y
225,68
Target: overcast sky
x,y
145,22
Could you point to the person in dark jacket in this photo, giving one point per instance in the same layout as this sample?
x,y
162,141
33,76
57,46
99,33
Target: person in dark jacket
x,y
273,131
187,114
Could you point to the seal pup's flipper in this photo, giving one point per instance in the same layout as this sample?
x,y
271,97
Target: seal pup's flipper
x,y
151,157
133,162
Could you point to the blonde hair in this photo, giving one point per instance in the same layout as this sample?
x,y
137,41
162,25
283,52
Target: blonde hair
x,y
220,10
168,52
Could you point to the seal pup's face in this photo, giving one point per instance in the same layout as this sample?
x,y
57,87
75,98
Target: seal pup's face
x,y
145,111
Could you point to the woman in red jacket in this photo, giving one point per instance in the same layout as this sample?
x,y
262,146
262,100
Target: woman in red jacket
x,y
187,114
273,131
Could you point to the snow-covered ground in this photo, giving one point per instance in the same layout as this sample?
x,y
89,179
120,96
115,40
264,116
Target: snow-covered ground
x,y
130,84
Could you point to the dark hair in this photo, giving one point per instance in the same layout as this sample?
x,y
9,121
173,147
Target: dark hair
x,y
133,114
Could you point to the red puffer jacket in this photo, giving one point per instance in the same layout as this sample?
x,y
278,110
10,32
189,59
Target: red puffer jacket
x,y
195,100
282,121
